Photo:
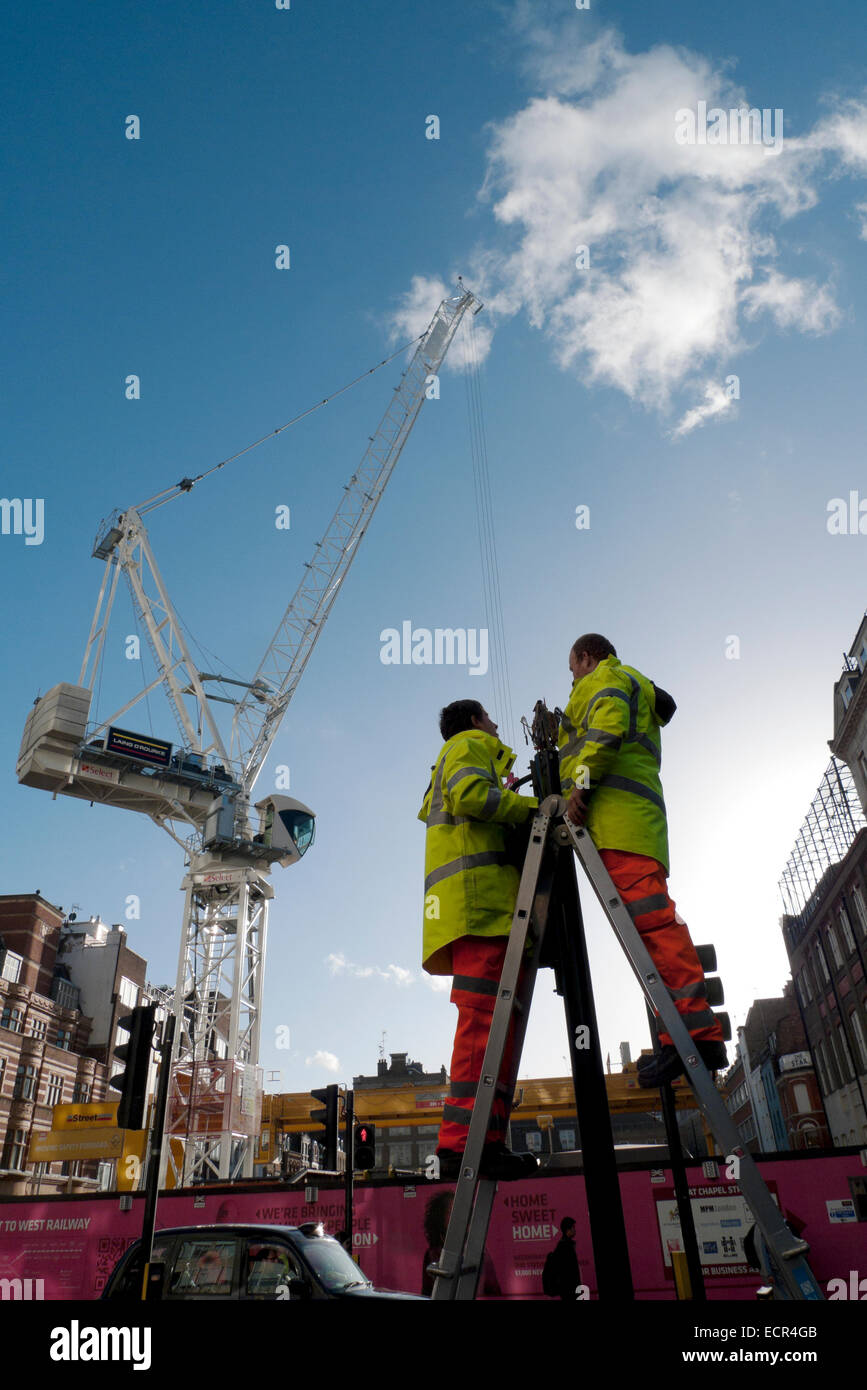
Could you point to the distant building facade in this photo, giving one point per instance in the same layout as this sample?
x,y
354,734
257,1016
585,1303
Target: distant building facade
x,y
64,986
772,1092
45,1053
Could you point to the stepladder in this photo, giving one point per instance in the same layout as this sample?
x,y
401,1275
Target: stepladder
x,y
542,933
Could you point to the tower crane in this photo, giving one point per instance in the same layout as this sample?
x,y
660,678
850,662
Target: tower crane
x,y
205,783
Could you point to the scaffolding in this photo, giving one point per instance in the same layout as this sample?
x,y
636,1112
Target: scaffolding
x,y
827,834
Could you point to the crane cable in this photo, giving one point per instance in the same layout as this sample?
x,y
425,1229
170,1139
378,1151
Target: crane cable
x,y
168,494
498,655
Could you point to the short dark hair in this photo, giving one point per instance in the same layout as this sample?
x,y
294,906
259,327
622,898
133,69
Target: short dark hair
x,y
595,645
566,1223
458,716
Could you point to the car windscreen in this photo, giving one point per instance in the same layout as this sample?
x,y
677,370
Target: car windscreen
x,y
334,1268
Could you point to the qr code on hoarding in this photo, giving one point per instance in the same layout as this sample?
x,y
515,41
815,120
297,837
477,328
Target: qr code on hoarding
x,y
108,1251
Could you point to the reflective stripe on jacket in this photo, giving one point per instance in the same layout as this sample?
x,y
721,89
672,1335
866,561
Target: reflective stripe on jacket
x,y
611,728
470,887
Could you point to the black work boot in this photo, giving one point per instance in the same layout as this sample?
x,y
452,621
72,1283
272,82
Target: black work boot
x,y
502,1164
667,1066
714,1055
498,1163
661,1069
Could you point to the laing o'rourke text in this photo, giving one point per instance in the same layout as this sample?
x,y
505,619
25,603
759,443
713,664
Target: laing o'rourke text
x,y
444,646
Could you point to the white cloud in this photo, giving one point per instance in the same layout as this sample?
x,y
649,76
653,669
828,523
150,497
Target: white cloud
x,y
682,238
440,984
395,974
326,1060
716,402
793,303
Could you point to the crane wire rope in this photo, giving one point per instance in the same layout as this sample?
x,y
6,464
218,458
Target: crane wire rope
x,y
187,484
491,586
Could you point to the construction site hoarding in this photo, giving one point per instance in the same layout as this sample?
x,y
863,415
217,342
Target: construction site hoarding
x,y
73,1243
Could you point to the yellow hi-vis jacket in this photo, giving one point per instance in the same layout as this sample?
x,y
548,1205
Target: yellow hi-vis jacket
x,y
610,744
470,887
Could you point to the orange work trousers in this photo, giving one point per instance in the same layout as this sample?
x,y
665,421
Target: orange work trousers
x,y
477,962
643,885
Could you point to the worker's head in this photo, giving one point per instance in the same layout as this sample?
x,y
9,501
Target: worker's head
x,y
462,715
587,653
567,1227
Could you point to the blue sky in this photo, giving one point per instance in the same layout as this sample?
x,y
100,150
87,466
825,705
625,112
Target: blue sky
x,y
602,387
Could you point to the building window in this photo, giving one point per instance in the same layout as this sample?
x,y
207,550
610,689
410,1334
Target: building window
x,y
846,929
822,972
858,1035
11,1019
10,969
400,1155
70,1169
38,1027
64,1038
54,1089
846,693
127,993
25,1082
832,1047
2,1071
801,1097
81,1093
64,994
835,949
806,991
822,1069
846,1066
14,1149
860,909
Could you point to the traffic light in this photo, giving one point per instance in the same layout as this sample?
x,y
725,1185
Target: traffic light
x,y
364,1146
133,1082
715,991
328,1118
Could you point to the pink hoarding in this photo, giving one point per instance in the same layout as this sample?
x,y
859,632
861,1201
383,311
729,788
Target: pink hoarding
x,y
73,1243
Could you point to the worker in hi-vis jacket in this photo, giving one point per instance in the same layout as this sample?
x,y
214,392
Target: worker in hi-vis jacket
x,y
610,754
470,893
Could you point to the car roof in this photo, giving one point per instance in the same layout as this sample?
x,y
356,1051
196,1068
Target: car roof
x,y
238,1228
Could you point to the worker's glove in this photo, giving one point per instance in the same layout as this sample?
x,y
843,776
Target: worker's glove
x,y
576,809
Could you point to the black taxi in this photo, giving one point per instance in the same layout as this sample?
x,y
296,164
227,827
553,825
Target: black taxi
x,y
231,1263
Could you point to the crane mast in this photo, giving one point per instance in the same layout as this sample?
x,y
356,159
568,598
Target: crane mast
x,y
213,1117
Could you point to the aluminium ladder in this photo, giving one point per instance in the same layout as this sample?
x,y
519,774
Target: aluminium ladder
x,y
459,1263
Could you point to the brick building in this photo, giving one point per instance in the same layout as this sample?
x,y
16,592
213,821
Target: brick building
x,y
45,1056
64,985
772,1091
